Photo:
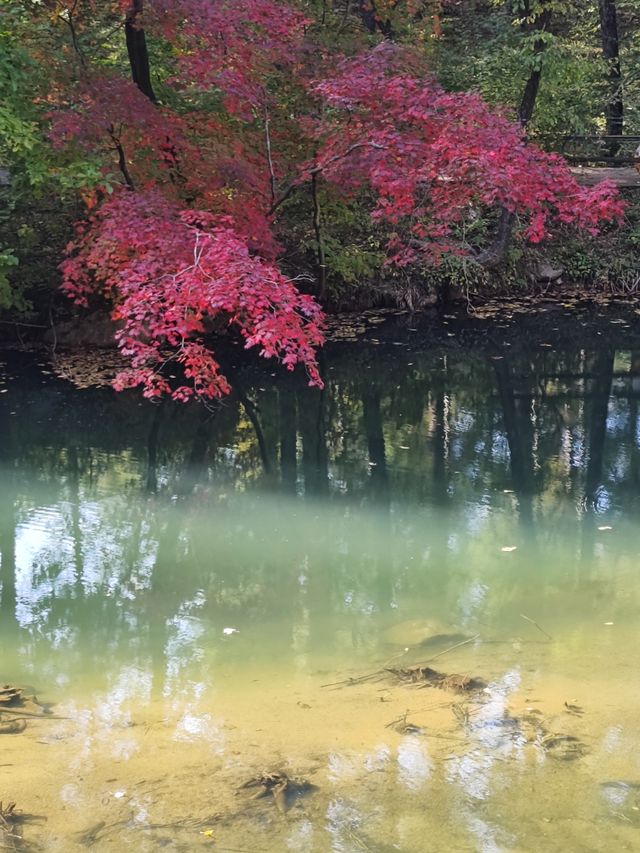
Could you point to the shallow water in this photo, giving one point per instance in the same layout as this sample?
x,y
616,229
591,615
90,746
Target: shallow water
x,y
201,606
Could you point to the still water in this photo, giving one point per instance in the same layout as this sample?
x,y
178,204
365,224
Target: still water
x,y
207,596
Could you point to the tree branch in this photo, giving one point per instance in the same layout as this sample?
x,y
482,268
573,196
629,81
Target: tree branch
x,y
68,19
267,140
317,227
317,170
122,160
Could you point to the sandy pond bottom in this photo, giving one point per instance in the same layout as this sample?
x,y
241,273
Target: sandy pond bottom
x,y
544,758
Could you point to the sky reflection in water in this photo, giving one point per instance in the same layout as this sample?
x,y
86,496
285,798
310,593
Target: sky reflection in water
x,y
181,584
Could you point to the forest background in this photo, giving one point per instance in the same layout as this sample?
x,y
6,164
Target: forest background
x,y
195,165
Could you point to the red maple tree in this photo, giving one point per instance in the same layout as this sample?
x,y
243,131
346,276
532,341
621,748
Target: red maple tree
x,y
187,242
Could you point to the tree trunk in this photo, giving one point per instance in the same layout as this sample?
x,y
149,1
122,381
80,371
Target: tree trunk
x,y
137,50
496,253
519,431
312,423
195,468
614,109
152,450
287,417
372,420
598,409
530,94
634,421
440,491
595,426
317,228
372,20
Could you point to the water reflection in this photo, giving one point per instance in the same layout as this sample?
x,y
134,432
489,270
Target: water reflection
x,y
189,578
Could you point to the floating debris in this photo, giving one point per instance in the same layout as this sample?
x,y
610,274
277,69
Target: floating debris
x,y
432,678
88,837
15,706
89,368
13,700
12,727
281,787
11,696
533,622
563,747
353,326
11,820
403,727
461,713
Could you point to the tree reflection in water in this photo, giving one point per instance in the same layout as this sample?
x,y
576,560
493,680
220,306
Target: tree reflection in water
x,y
308,524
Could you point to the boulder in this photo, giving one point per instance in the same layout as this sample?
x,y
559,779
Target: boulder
x,y
90,330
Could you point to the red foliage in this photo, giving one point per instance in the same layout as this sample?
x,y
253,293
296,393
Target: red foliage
x,y
193,243
171,274
434,158
232,46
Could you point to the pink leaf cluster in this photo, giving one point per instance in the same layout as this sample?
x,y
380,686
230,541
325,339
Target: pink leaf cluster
x,y
102,104
434,158
232,45
172,274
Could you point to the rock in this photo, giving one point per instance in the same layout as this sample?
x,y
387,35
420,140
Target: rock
x,y
546,274
422,632
90,330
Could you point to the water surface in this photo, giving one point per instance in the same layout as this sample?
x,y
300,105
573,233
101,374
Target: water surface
x,y
183,584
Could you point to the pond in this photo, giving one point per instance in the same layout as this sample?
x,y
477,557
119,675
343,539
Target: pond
x,y
412,598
